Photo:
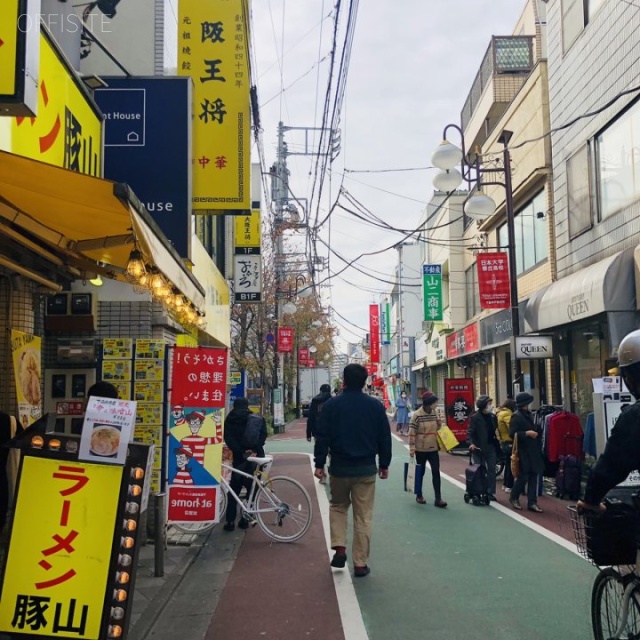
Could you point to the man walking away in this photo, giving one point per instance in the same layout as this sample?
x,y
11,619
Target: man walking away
x,y
235,428
353,428
316,407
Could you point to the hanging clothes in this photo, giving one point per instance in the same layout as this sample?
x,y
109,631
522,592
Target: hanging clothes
x,y
564,436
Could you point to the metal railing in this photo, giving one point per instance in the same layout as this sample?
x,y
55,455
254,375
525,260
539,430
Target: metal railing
x,y
505,55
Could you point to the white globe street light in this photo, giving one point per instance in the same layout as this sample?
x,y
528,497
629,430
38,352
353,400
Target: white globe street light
x,y
312,349
480,206
446,156
447,180
305,293
289,308
316,323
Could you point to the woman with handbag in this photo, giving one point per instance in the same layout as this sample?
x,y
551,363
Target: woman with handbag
x,y
506,410
527,441
423,445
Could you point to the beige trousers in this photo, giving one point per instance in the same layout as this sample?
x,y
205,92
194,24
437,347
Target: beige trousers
x,y
359,492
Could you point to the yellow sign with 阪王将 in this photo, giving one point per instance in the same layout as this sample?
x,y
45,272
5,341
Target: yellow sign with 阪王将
x,y
27,369
248,230
8,46
58,559
213,42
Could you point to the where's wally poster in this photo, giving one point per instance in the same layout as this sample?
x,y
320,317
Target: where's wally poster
x,y
196,422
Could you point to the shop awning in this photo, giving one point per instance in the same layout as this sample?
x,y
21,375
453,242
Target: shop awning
x,y
606,286
419,364
88,219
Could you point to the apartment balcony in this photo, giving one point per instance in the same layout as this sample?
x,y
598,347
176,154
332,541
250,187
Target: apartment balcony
x,y
505,66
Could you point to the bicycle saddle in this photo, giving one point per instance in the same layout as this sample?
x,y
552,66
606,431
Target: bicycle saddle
x,y
260,460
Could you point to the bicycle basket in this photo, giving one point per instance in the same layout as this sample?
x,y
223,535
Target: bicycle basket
x,y
608,538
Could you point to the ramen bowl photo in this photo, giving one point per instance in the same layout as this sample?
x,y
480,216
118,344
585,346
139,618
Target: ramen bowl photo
x,y
105,440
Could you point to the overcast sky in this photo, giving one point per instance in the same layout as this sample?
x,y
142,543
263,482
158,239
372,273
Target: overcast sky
x,y
412,66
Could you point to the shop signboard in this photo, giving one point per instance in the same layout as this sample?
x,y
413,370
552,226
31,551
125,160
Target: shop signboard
x,y
152,158
493,280
248,235
19,57
436,352
459,402
213,45
198,397
374,333
67,131
532,347
285,339
463,342
303,357
247,271
432,292
385,323
25,349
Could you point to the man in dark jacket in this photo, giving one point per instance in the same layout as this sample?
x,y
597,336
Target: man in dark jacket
x,y
234,428
529,446
316,407
483,441
354,429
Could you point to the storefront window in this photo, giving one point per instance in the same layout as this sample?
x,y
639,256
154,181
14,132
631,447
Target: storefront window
x,y
530,230
586,366
579,192
618,161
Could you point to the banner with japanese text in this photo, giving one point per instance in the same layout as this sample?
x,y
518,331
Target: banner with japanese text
x,y
198,400
303,357
385,323
459,403
58,566
27,369
374,334
432,292
213,43
493,280
285,339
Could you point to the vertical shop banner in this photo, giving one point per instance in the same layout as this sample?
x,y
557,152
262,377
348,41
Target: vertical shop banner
x,y
59,556
432,292
493,280
27,369
459,403
248,259
303,357
285,339
198,398
213,42
374,333
385,323
248,235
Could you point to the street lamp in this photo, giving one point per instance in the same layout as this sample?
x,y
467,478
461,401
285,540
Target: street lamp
x,y
480,206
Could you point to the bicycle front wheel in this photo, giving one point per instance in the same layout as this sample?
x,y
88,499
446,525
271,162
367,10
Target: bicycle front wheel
x,y
283,509
607,610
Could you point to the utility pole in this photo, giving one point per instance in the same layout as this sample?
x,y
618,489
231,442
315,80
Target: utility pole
x,y
400,336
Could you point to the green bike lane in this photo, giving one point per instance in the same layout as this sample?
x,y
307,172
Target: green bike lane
x,y
463,572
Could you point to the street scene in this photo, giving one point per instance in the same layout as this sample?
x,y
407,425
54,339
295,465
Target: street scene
x,y
321,319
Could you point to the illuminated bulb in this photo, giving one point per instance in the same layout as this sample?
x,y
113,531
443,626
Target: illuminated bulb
x,y
156,281
127,543
135,266
37,442
163,291
122,577
54,444
137,473
130,525
119,595
135,490
115,631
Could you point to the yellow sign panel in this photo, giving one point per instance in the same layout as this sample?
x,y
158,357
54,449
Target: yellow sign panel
x,y
248,229
8,46
212,49
68,130
28,375
58,560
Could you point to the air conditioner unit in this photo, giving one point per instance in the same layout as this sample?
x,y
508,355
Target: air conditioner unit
x,y
76,352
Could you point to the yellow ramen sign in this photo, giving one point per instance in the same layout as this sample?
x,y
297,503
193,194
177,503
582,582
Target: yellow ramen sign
x,y
58,561
68,129
8,46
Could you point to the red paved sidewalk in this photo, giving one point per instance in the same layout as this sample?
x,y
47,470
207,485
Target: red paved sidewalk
x,y
280,590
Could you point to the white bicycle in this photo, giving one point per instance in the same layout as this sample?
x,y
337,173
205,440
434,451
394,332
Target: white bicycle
x,y
280,505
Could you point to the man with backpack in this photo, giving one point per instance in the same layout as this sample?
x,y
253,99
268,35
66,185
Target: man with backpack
x,y
314,411
245,433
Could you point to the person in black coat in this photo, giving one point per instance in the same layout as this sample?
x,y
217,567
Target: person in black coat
x,y
529,439
234,427
316,406
483,441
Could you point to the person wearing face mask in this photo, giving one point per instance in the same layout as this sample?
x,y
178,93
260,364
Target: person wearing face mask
x,y
483,442
423,445
403,407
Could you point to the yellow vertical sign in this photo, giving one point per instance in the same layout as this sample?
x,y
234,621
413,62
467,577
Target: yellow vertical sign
x,y
248,229
8,46
213,50
58,559
26,350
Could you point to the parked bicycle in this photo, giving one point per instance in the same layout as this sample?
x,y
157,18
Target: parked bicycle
x,y
280,505
609,541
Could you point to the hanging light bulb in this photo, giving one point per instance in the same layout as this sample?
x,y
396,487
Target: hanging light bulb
x,y
156,280
135,266
163,291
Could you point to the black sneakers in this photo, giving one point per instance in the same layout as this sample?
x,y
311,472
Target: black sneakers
x,y
229,526
361,572
339,559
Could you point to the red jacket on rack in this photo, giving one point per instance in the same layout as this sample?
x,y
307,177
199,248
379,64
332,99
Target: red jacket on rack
x,y
561,425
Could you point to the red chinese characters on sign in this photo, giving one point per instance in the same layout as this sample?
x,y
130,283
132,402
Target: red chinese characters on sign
x,y
459,404
303,357
464,341
199,377
493,280
285,339
374,333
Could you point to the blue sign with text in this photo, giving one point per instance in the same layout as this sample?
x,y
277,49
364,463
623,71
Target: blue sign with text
x,y
148,146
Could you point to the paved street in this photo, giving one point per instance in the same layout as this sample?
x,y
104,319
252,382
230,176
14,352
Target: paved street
x,y
465,572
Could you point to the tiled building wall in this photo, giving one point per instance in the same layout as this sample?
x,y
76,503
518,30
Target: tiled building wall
x,y
603,61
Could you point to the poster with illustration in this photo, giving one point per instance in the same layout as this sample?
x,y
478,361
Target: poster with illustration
x,y
25,349
107,430
196,422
